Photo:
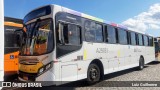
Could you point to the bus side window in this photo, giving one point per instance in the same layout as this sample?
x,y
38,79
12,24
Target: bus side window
x,y
99,33
117,35
128,38
69,34
122,36
133,38
65,34
137,39
150,41
110,32
73,35
62,31
145,40
90,34
140,39
93,32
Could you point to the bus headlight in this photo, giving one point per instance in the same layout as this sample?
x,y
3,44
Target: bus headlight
x,y
48,66
41,70
44,68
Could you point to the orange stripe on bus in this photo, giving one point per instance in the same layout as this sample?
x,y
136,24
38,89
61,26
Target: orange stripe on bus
x,y
13,24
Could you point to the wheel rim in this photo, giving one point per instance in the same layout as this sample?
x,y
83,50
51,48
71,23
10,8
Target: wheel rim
x,y
94,74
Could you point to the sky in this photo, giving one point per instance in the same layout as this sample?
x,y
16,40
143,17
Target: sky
x,y
138,15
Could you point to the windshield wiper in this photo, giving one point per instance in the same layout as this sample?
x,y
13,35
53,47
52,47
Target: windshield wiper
x,y
31,37
34,32
35,27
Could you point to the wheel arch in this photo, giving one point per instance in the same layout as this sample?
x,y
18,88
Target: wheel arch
x,y
100,65
143,58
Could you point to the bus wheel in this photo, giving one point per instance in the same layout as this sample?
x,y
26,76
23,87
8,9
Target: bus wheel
x,y
93,74
141,63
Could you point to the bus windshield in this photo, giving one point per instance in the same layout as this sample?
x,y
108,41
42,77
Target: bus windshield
x,y
39,38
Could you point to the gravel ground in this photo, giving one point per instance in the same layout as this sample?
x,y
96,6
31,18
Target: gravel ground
x,y
151,72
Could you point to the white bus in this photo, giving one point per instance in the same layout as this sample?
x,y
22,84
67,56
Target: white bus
x,y
65,45
1,40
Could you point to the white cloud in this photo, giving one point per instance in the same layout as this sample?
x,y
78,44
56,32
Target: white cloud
x,y
149,20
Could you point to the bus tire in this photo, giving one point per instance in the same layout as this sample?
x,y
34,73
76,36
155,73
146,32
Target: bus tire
x,y
141,63
93,74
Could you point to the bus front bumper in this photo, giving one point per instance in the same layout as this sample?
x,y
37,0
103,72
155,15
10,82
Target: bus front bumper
x,y
47,78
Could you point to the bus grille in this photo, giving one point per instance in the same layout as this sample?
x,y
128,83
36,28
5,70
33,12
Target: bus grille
x,y
29,62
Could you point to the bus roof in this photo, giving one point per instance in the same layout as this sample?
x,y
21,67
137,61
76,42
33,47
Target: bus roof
x,y
91,17
97,19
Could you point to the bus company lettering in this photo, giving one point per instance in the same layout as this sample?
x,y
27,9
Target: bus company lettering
x,y
101,50
137,50
26,84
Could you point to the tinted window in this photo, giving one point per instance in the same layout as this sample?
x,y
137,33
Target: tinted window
x,y
145,40
110,34
137,39
90,31
10,39
156,47
150,41
94,32
133,38
99,33
70,34
68,38
128,37
140,39
122,36
11,43
73,34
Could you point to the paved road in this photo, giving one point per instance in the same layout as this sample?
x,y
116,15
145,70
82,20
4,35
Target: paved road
x,y
151,72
